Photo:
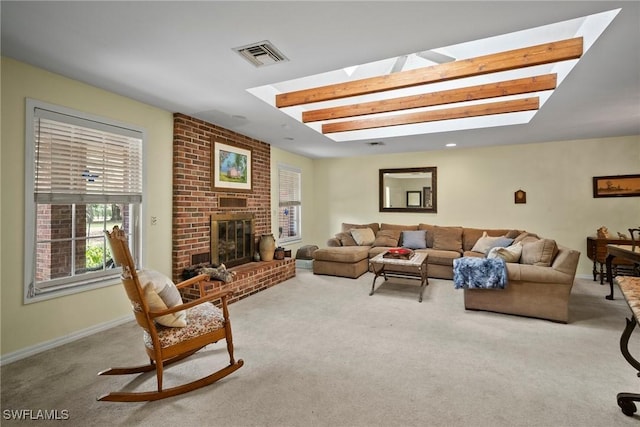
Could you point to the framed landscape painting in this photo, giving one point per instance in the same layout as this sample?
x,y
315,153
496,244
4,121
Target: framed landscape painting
x,y
231,167
616,186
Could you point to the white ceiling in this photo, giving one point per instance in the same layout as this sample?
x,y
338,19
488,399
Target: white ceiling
x,y
179,56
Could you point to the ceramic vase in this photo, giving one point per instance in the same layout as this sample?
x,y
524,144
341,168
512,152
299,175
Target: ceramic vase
x,y
267,247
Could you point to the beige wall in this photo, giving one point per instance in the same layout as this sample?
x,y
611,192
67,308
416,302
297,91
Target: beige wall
x,y
306,165
476,188
32,324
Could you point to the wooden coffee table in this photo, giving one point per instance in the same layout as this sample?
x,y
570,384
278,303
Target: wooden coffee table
x,y
417,269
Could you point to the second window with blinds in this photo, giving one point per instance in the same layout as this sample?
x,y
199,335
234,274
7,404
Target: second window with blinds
x,y
290,204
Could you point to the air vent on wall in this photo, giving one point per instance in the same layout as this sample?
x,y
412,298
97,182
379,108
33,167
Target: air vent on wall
x,y
261,53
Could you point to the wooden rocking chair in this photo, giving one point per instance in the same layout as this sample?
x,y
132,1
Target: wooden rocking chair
x,y
206,324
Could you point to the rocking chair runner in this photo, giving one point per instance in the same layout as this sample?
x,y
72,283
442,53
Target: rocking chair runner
x,y
206,324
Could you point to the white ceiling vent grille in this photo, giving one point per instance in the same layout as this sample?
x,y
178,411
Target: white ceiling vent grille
x,y
261,53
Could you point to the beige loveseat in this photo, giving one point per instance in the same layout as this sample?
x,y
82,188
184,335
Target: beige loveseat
x,y
539,280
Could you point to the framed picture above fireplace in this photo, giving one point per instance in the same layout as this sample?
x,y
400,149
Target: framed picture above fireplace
x,y
231,167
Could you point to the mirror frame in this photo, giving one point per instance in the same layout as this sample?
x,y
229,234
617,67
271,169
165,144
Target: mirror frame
x,y
434,190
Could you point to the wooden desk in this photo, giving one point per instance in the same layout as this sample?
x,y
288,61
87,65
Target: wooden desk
x,y
630,288
597,252
628,252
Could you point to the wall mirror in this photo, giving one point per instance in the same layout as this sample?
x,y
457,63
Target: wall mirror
x,y
408,190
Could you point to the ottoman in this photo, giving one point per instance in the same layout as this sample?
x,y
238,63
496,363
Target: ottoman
x,y
343,261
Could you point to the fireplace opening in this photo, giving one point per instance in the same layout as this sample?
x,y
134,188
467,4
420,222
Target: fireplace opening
x,y
232,238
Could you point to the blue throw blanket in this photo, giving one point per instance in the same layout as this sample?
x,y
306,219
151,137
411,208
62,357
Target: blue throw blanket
x,y
479,273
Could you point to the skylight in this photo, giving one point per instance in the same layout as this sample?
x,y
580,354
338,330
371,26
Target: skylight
x,y
467,102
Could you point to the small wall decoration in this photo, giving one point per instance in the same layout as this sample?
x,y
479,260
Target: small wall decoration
x,y
616,186
520,196
231,167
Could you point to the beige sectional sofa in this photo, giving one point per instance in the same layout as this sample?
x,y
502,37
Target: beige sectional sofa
x,y
540,277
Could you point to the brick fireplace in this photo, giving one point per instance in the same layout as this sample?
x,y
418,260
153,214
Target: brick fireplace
x,y
195,201
232,238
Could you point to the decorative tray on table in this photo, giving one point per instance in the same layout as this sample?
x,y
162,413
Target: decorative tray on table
x,y
398,253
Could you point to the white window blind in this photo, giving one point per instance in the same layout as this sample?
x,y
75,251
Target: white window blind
x,y
83,175
289,187
77,160
290,204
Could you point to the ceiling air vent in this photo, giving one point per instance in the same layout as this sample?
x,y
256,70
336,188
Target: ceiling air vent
x,y
261,53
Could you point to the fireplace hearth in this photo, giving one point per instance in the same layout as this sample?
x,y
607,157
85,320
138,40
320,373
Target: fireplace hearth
x,y
232,238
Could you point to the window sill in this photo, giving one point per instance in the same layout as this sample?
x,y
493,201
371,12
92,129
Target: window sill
x,y
51,294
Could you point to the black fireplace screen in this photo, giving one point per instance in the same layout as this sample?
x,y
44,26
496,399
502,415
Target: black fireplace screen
x,y
232,239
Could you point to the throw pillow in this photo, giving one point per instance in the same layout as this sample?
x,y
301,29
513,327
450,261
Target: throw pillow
x,y
414,239
161,293
540,253
346,239
485,243
388,238
525,237
508,254
363,236
348,227
447,238
501,242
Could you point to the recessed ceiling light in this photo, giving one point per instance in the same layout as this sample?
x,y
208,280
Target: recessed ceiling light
x,y
451,144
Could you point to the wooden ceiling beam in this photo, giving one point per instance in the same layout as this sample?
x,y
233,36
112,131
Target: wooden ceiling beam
x,y
503,61
491,108
471,93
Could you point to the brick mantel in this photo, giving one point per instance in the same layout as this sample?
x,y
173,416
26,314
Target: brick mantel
x,y
193,197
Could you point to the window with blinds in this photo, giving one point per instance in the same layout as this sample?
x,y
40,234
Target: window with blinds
x,y
290,204
85,174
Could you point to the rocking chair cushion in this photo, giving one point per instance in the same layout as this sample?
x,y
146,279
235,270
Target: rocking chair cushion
x,y
201,319
161,293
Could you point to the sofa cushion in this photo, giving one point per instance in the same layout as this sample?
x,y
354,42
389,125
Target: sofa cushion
x,y
346,239
539,253
348,254
414,239
430,229
526,237
509,254
440,257
401,227
512,234
346,227
363,236
389,238
474,254
447,238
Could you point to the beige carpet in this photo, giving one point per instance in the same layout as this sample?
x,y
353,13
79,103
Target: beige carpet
x,y
319,351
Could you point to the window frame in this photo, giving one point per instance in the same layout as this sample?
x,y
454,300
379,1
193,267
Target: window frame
x,y
298,171
30,205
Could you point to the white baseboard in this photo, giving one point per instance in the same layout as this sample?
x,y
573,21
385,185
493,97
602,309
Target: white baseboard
x,y
47,345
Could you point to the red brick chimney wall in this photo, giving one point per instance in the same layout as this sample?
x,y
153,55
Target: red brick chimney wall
x,y
193,198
